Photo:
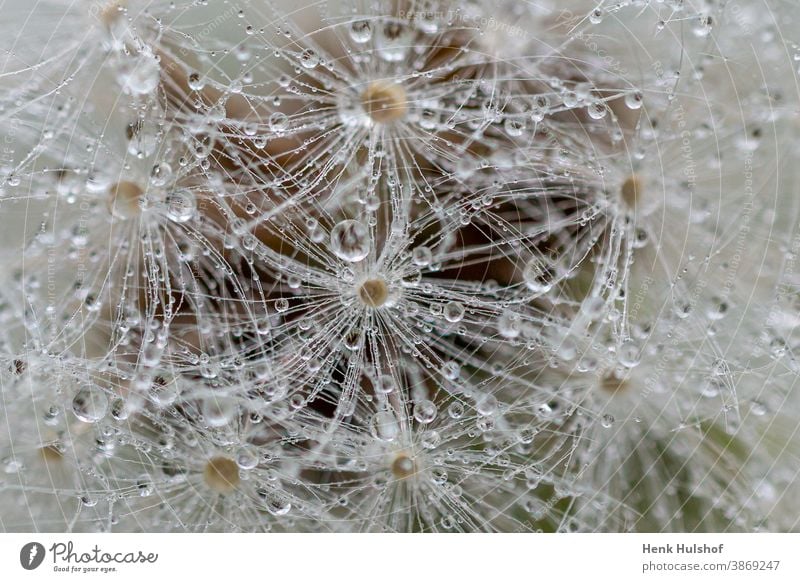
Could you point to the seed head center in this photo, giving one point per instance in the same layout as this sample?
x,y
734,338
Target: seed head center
x,y
611,384
373,292
631,190
51,454
384,101
221,474
124,199
403,467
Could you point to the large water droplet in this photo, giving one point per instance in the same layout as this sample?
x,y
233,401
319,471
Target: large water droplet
x,y
350,241
361,31
181,205
309,59
278,505
634,100
486,405
425,411
384,426
247,457
218,411
509,324
628,355
422,256
90,404
386,384
393,42
140,75
454,311
538,276
278,122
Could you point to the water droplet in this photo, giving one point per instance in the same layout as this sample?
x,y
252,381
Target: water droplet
x,y
384,426
538,276
422,256
596,16
486,405
90,404
597,110
125,200
350,241
430,439
164,393
195,82
181,205
140,75
385,384
219,411
361,31
634,100
453,311
278,122
509,324
718,309
394,41
309,59
160,174
247,457
514,127
702,25
425,411
455,410
439,476
540,108
451,370
628,355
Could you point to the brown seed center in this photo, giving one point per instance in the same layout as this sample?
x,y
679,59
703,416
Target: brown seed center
x,y
373,292
613,385
124,200
631,190
384,101
111,12
221,475
403,467
51,454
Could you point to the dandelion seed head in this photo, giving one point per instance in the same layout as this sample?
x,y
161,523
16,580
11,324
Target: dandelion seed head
x,y
391,267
